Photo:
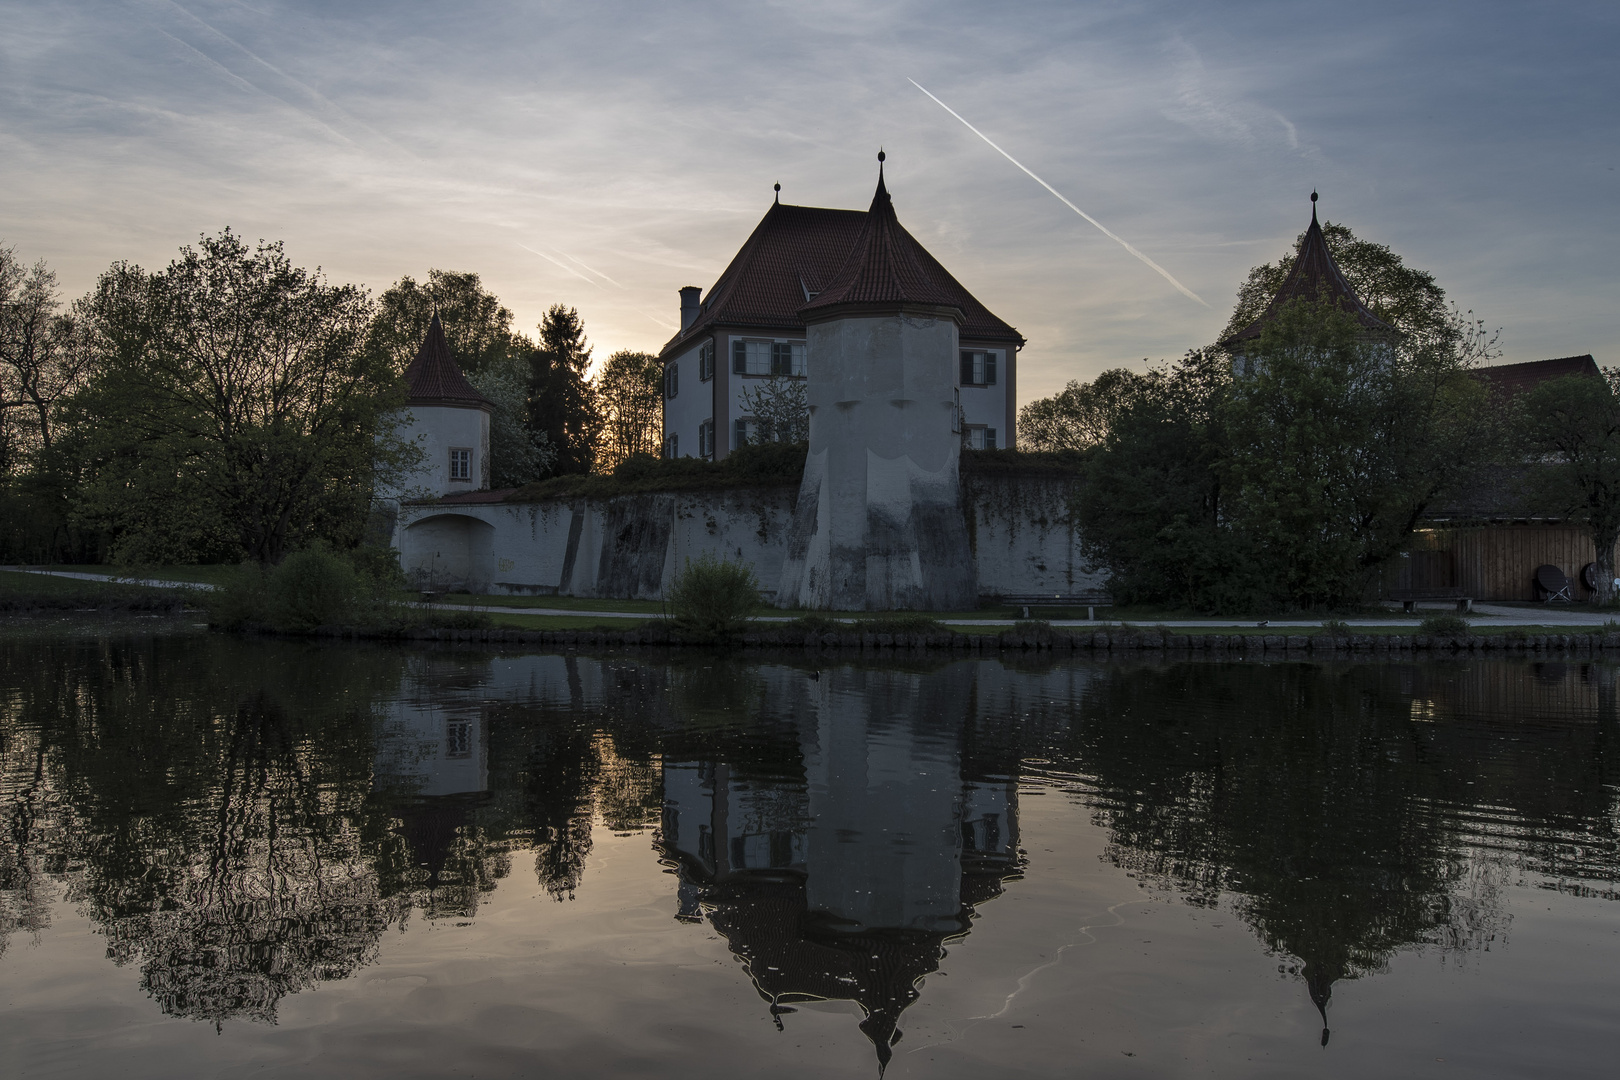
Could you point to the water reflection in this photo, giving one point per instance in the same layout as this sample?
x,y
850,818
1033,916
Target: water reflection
x,y
242,821
841,871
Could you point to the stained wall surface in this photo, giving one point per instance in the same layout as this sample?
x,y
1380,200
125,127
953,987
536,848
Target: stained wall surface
x,y
630,547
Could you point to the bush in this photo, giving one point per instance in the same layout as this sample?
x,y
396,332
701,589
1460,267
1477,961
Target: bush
x,y
1336,627
714,597
901,622
313,588
1444,625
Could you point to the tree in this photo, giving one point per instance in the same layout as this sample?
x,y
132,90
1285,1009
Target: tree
x,y
781,409
1152,507
1404,297
41,355
1077,417
629,392
517,456
1574,423
1338,443
234,409
477,326
561,403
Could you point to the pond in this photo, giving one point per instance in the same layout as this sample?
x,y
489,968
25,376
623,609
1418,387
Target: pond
x,y
221,855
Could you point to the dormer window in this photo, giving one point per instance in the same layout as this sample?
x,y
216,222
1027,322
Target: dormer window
x,y
461,464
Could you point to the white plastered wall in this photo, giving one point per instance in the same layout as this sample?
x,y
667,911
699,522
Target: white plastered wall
x,y
436,430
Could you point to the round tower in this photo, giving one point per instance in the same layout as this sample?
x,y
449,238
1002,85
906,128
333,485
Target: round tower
x,y
448,420
879,523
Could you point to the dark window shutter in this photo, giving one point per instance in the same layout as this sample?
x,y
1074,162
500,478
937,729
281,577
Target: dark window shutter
x,y
989,438
989,369
739,433
967,369
739,357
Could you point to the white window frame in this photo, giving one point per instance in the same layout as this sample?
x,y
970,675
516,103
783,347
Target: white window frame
x,y
983,367
465,461
766,357
706,439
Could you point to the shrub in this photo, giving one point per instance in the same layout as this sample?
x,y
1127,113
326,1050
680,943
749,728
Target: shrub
x,y
312,588
712,596
900,622
1336,627
818,624
1444,625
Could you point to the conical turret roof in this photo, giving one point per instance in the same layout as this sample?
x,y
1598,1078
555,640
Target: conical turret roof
x,y
434,379
1314,276
887,267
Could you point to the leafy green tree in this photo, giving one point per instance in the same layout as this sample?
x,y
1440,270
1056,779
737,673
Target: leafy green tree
x,y
1337,444
517,455
1572,425
234,410
1077,417
477,326
561,403
629,393
1153,507
1408,299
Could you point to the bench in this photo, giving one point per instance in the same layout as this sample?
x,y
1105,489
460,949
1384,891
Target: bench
x,y
1409,598
1091,601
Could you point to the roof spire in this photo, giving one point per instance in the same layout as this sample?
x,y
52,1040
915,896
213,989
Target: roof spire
x,y
881,196
1313,204
778,187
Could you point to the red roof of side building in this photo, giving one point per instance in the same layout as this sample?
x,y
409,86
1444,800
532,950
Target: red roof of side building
x,y
1512,380
434,379
1314,275
796,253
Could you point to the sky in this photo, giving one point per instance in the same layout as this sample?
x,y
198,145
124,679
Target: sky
x,y
602,155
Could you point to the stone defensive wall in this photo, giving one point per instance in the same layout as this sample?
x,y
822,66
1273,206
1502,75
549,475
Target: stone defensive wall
x,y
629,545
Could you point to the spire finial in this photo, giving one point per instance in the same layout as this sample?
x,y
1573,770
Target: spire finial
x,y
881,157
1313,204
778,192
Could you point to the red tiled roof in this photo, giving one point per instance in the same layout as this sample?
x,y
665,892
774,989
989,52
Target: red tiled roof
x,y
1511,380
887,266
1313,275
796,253
433,377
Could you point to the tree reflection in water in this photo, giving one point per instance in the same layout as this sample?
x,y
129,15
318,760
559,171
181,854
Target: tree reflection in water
x,y
1337,804
243,820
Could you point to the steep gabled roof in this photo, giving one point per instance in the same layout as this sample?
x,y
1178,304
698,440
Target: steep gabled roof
x,y
794,255
1511,380
1314,275
434,379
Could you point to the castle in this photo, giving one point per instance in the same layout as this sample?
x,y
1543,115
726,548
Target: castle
x,y
902,366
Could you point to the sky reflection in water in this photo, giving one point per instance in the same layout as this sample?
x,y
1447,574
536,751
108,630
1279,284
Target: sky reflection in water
x,y
348,859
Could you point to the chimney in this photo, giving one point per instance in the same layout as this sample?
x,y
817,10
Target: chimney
x,y
689,306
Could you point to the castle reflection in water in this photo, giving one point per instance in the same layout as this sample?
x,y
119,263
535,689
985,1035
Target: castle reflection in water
x,y
837,856
244,820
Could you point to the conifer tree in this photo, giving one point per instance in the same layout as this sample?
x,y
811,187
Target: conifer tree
x,y
562,405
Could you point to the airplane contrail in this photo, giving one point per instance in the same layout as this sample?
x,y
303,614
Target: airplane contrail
x,y
1188,293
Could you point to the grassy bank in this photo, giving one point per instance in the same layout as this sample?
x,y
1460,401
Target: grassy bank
x,y
22,593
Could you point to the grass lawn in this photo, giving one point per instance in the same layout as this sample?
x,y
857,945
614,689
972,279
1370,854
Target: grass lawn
x,y
66,592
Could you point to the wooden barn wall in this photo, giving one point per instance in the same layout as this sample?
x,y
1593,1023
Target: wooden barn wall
x,y
1495,562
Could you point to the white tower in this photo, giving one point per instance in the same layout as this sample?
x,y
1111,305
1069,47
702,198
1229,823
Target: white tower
x,y
448,419
879,520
